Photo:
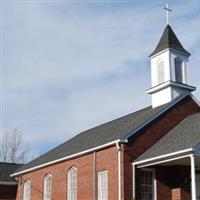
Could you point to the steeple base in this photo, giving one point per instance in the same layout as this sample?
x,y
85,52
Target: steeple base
x,y
167,91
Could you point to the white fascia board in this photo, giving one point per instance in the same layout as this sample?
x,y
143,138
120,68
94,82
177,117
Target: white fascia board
x,y
182,85
167,84
158,87
67,157
163,156
164,161
169,49
7,183
161,52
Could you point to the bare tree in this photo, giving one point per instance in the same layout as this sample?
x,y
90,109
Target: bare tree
x,y
13,148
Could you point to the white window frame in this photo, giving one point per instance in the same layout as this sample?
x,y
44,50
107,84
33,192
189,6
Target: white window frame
x,y
47,186
27,190
154,181
101,190
72,188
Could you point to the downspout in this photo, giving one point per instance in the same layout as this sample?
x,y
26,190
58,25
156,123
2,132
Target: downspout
x,y
94,175
119,171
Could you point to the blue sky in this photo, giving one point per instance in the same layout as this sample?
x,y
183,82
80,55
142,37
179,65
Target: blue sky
x,y
69,66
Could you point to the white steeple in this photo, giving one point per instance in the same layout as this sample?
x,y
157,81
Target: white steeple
x,y
169,69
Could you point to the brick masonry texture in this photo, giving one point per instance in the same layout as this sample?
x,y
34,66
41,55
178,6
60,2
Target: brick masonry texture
x,y
107,159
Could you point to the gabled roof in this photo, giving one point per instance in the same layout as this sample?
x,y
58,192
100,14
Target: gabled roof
x,y
117,130
169,40
6,169
185,136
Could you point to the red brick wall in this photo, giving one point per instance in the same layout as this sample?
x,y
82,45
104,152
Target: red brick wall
x,y
173,182
8,192
108,160
164,182
151,135
105,160
180,194
181,180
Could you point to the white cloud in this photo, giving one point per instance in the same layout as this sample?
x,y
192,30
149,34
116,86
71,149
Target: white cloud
x,y
71,67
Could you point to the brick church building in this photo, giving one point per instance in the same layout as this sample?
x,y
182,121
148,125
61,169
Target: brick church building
x,y
151,154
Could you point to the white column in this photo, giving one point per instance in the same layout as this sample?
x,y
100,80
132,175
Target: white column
x,y
193,177
134,193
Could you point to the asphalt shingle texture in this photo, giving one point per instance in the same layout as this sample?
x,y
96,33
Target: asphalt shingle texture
x,y
169,40
185,135
97,136
6,169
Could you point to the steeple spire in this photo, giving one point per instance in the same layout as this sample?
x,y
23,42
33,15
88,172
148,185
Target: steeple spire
x,y
169,40
169,69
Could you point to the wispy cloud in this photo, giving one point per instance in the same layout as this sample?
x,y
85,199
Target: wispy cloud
x,y
73,66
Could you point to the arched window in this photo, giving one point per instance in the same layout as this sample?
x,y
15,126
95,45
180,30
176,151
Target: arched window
x,y
47,195
72,184
178,70
160,72
27,190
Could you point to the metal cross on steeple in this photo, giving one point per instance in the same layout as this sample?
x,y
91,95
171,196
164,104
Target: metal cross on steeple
x,y
168,10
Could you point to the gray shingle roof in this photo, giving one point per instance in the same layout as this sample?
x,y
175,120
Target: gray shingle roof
x,y
6,169
117,129
94,137
185,135
169,40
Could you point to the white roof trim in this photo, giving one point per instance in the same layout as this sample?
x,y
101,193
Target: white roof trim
x,y
170,49
66,158
164,161
170,83
163,156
